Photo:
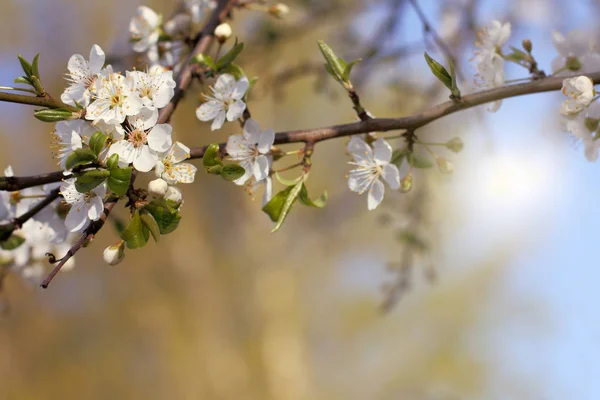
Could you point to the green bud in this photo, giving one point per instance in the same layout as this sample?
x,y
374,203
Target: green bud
x,y
591,124
114,254
573,64
455,144
406,183
527,45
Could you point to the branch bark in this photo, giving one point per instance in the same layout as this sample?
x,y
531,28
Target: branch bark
x,y
41,101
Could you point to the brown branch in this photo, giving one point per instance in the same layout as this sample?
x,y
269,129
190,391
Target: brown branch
x,y
88,233
13,183
7,229
40,101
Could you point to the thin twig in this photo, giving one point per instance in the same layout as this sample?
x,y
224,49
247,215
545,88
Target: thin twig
x,y
7,229
40,101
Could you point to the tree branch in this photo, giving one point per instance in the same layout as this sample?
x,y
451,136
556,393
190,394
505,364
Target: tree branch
x,y
7,229
13,183
40,101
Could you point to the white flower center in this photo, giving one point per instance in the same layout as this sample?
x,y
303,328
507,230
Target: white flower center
x,y
137,138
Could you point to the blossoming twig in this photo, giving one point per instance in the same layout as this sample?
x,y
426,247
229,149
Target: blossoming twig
x,y
7,229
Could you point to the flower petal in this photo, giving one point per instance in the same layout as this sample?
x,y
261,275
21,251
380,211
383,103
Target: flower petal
x,y
260,169
159,138
209,110
235,110
251,131
382,151
359,149
266,141
95,208
240,88
392,176
77,218
145,160
375,195
97,58
219,121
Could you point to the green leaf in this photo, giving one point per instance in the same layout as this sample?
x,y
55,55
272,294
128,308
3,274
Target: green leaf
x,y
336,65
118,181
348,69
231,172
318,203
23,80
418,161
150,222
113,161
439,71
26,66
204,60
398,156
53,115
454,87
412,240
212,158
136,234
34,66
287,182
12,242
234,70
88,180
166,219
97,142
230,56
281,204
80,157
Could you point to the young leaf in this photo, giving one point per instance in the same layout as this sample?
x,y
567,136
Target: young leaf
x,y
204,60
280,205
336,64
234,70
23,80
26,66
454,87
113,161
348,69
318,203
80,157
53,115
211,157
230,56
88,180
34,66
12,242
165,216
118,181
150,222
287,182
97,142
231,172
439,71
136,234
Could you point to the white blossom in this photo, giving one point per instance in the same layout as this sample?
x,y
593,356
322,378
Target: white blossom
x,y
226,101
144,29
172,169
197,8
584,126
250,150
574,53
82,76
115,99
223,32
371,164
70,136
145,140
85,207
156,88
580,92
158,187
114,254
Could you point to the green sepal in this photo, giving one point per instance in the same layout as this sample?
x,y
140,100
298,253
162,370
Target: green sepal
x,y
27,68
80,157
166,216
119,179
53,115
318,203
150,222
136,234
230,56
231,172
13,242
97,142
88,180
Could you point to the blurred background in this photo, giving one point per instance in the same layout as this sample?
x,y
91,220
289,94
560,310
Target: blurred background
x,y
476,285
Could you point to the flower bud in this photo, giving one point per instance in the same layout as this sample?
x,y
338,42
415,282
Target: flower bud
x,y
455,144
158,187
223,32
279,10
174,194
406,183
527,45
444,165
114,254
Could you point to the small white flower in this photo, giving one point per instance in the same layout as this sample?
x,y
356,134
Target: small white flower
x,y
574,53
115,99
580,92
82,75
70,136
145,140
85,207
371,164
198,7
144,29
174,194
156,88
250,150
226,101
223,32
114,254
584,126
158,187
172,169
